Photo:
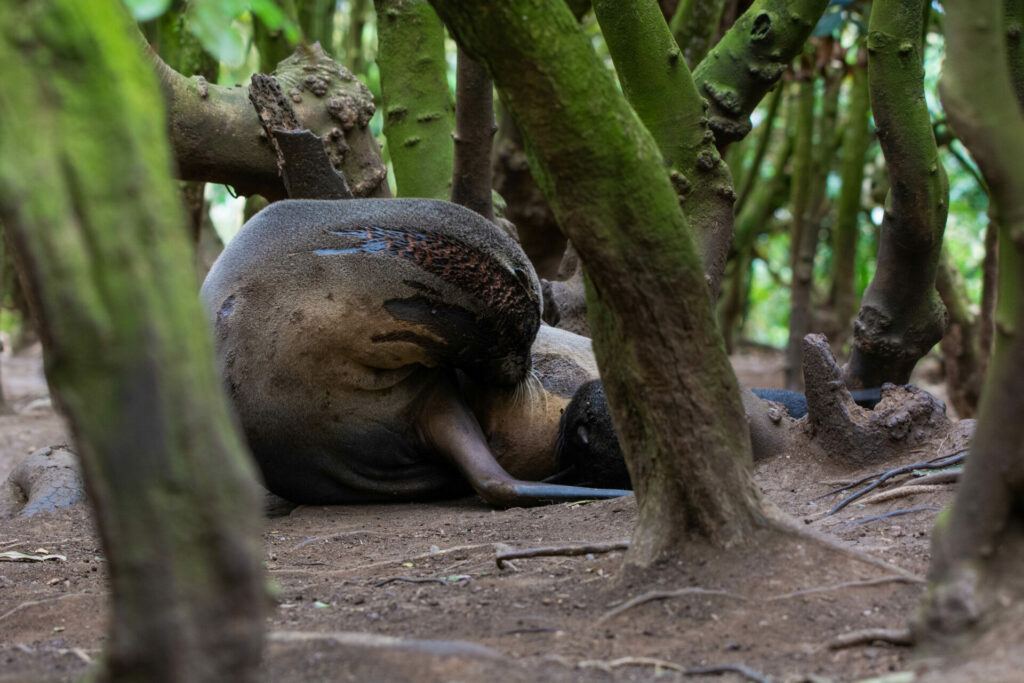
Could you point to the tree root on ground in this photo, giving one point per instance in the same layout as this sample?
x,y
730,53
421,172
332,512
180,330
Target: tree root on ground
x,y
892,636
502,557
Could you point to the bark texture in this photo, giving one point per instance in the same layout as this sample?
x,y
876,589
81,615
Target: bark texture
x,y
685,438
695,27
474,137
216,135
977,549
846,232
98,230
750,58
658,85
901,316
418,111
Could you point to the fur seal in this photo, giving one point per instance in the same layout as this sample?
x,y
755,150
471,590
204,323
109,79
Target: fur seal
x,y
381,349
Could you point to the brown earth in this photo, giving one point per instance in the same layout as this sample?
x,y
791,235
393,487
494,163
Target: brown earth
x,y
413,591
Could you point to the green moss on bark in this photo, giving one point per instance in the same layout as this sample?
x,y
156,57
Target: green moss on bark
x,y
418,108
684,432
695,27
658,85
96,223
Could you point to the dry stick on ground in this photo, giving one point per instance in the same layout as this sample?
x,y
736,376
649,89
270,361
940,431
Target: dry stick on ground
x,y
893,636
663,595
902,492
947,477
847,485
894,513
32,603
848,584
502,557
456,648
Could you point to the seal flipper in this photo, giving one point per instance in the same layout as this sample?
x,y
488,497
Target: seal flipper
x,y
448,426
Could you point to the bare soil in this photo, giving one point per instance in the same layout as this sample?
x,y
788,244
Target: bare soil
x,y
413,591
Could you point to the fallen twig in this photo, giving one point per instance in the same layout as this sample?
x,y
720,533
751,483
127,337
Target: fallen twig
x,y
846,485
894,513
372,640
744,671
902,492
946,477
555,550
663,595
893,636
411,579
898,578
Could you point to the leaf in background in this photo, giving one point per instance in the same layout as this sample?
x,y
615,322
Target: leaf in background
x,y
211,22
274,19
144,10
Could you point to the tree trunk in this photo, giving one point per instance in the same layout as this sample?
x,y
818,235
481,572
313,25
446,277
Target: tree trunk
x,y
977,548
961,350
846,232
804,232
418,111
750,58
316,18
901,316
354,36
474,137
97,227
659,86
685,438
695,27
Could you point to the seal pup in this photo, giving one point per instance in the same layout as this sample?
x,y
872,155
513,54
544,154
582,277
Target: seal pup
x,y
380,349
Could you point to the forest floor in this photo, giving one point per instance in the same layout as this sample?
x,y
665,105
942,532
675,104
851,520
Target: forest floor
x,y
413,591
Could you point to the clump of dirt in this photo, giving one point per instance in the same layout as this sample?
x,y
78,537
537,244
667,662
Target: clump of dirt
x,y
414,592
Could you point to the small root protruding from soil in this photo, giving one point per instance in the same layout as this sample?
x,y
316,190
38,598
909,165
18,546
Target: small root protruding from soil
x,y
713,670
948,460
502,558
895,513
663,595
898,578
892,636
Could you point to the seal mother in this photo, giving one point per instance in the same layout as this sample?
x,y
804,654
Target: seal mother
x,y
380,349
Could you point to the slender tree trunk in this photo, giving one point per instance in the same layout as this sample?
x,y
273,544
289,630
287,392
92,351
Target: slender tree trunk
x,y
804,232
961,352
754,173
97,227
977,549
695,27
474,137
846,232
759,47
418,111
901,316
685,439
354,59
273,46
316,19
659,86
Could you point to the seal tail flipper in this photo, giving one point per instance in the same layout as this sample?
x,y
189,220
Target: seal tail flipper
x,y
450,428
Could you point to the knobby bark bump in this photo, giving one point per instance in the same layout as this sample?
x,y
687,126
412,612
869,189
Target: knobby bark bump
x,y
685,436
749,60
659,86
901,315
96,223
418,111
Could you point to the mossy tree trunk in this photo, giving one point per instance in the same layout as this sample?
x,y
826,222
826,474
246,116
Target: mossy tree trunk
x,y
353,42
685,438
901,315
474,137
658,85
977,550
750,58
846,232
418,109
97,227
695,27
961,353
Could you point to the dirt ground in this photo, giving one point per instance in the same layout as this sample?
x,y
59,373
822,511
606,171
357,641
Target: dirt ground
x,y
413,591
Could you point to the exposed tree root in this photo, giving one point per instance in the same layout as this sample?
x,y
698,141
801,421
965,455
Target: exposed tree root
x,y
934,464
456,648
892,636
663,595
576,549
411,579
714,670
901,492
900,578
